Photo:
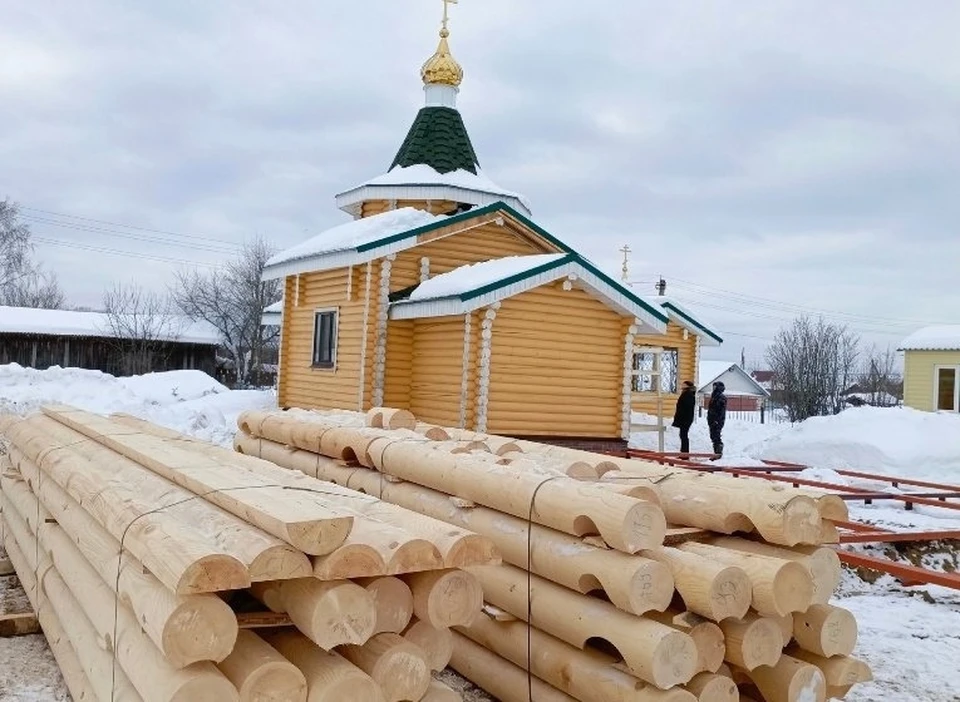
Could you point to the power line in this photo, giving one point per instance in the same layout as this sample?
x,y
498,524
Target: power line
x,y
129,226
213,248
117,252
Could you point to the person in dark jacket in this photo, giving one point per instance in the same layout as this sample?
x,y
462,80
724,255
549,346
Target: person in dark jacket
x,y
683,417
717,417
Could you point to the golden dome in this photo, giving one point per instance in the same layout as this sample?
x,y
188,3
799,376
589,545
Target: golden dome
x,y
442,68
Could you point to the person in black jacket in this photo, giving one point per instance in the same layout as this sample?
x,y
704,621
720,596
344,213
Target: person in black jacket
x,y
717,417
683,417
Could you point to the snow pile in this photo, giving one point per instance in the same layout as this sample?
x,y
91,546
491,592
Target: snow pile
x,y
891,440
478,275
190,402
27,320
943,337
739,436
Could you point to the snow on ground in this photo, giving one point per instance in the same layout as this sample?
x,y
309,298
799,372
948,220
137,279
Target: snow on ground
x,y
910,636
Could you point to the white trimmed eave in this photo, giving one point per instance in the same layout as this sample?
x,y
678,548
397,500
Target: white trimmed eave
x,y
584,280
706,335
271,319
335,259
350,200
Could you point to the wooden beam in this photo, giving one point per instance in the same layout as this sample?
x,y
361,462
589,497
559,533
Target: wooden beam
x,y
18,624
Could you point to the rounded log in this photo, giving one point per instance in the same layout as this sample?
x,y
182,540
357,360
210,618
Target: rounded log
x,y
823,563
437,644
588,676
328,613
386,418
394,603
653,652
708,588
446,598
779,586
710,687
826,630
790,680
396,665
752,641
259,672
330,677
838,671
499,677
439,692
706,635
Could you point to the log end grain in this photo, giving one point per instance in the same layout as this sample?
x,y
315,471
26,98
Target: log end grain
x,y
413,556
349,561
730,594
826,630
436,643
200,628
674,660
213,573
319,537
447,598
398,666
469,550
280,562
710,687
792,588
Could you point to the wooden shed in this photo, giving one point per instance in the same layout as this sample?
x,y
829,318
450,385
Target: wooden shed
x,y
931,369
444,297
39,339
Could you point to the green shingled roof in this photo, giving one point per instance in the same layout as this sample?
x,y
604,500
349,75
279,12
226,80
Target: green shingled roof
x,y
439,139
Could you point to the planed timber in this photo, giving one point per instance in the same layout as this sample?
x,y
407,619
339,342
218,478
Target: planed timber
x,y
588,676
633,583
653,652
394,603
186,628
330,677
779,586
373,549
436,644
823,563
439,692
752,641
826,630
790,680
183,560
260,673
66,657
709,588
713,687
304,521
500,677
328,613
396,665
18,624
626,524
839,671
445,598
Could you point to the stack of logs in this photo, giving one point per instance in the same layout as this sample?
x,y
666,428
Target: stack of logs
x,y
622,580
162,568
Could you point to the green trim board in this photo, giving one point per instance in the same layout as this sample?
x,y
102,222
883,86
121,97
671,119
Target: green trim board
x,y
437,138
680,313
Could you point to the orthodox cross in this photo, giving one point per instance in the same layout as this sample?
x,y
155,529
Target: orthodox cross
x,y
446,7
625,250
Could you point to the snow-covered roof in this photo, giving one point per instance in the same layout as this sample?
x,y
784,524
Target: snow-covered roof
x,y
682,315
422,182
941,337
272,314
25,320
351,235
478,285
736,380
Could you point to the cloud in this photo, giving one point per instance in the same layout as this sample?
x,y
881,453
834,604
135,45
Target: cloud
x,y
807,153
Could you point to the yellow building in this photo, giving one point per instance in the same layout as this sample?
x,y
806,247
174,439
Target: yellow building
x,y
444,297
931,370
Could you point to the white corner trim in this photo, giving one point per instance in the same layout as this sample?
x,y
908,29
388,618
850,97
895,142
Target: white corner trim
x,y
483,386
465,378
627,408
424,269
363,338
349,283
380,347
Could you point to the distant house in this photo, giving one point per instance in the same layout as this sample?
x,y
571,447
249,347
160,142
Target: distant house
x,y
43,338
744,393
764,378
931,372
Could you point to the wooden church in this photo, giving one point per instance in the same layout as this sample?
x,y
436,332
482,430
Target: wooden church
x,y
444,297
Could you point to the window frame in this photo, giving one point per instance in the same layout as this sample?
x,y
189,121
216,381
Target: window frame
x,y
317,313
637,380
956,387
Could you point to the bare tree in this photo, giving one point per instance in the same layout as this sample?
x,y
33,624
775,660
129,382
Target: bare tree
x,y
232,300
142,324
813,363
880,380
23,283
38,289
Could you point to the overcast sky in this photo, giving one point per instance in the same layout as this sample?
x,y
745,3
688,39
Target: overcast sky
x,y
768,157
